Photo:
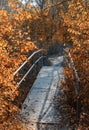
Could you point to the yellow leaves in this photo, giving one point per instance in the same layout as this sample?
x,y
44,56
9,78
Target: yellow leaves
x,y
3,13
28,6
15,108
24,14
77,26
28,45
78,3
16,16
73,31
15,43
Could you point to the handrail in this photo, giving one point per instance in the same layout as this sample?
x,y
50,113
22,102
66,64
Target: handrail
x,y
73,66
31,67
27,61
78,83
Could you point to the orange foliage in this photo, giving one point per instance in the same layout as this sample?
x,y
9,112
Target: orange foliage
x,y
76,22
15,43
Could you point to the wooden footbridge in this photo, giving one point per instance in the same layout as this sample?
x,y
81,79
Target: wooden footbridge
x,y
39,110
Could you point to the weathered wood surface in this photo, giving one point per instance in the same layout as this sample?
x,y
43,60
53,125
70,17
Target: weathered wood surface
x,y
39,109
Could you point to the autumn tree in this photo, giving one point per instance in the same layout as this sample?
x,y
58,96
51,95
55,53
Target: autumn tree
x,y
15,45
48,22
76,22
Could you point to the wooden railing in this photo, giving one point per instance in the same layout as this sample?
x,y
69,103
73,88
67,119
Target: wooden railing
x,y
41,55
77,88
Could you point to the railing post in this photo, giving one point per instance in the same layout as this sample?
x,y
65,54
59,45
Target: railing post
x,y
45,59
41,61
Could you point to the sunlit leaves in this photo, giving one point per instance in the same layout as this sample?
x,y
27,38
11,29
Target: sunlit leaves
x,y
15,44
77,23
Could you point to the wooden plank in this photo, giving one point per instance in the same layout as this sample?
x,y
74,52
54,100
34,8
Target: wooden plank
x,y
42,91
39,106
56,60
48,71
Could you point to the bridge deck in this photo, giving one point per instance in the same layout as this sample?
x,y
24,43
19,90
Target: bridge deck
x,y
40,105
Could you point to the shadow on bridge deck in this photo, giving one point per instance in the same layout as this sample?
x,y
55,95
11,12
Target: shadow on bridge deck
x,y
39,110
